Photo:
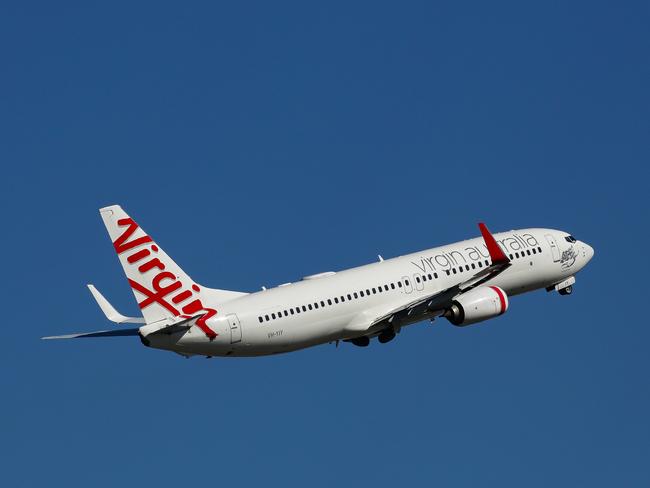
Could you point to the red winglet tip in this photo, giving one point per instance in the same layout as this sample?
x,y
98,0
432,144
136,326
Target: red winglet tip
x,y
496,253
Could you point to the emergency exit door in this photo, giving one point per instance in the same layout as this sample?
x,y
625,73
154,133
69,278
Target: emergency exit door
x,y
235,328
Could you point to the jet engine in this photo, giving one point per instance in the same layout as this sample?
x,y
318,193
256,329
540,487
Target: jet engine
x,y
481,303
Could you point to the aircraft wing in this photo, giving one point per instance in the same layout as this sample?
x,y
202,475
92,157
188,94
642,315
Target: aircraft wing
x,y
441,300
165,328
100,333
111,314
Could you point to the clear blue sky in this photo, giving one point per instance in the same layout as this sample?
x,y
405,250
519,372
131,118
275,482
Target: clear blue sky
x,y
262,141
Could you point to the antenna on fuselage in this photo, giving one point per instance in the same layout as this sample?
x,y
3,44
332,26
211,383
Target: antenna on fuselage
x,y
381,259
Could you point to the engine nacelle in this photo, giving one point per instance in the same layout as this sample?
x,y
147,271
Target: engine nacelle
x,y
482,303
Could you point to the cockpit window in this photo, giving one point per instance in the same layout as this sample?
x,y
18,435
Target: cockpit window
x,y
570,239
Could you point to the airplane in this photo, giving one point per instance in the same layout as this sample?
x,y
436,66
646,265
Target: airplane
x,y
466,282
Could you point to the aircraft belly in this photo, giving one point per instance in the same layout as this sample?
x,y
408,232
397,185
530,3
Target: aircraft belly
x,y
269,338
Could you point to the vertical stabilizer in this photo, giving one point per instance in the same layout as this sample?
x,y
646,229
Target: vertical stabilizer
x,y
161,288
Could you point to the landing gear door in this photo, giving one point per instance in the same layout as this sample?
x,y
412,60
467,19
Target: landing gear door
x,y
235,329
555,252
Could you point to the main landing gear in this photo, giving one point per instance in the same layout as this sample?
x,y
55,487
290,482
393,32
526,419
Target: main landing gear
x,y
360,341
384,337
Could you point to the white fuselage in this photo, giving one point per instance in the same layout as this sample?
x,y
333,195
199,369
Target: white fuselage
x,y
327,307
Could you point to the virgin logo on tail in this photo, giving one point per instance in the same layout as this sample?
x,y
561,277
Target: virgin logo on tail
x,y
164,283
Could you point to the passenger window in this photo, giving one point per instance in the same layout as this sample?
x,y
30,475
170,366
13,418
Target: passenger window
x,y
260,319
386,287
361,293
528,251
517,255
406,282
534,251
417,279
487,263
329,301
266,317
350,297
322,303
510,256
374,291
447,271
286,314
291,310
399,284
273,316
539,250
355,295
435,275
304,309
310,307
316,305
368,292
392,286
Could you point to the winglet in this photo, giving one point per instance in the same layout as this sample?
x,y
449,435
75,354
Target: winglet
x,y
496,253
110,312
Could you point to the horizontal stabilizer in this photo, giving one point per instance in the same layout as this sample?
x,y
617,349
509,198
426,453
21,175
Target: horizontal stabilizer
x,y
110,312
168,327
101,333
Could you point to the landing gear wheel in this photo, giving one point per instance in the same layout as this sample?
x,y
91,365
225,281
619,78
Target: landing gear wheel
x,y
360,341
385,337
566,291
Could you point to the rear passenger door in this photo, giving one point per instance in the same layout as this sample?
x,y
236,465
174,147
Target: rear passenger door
x,y
235,328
